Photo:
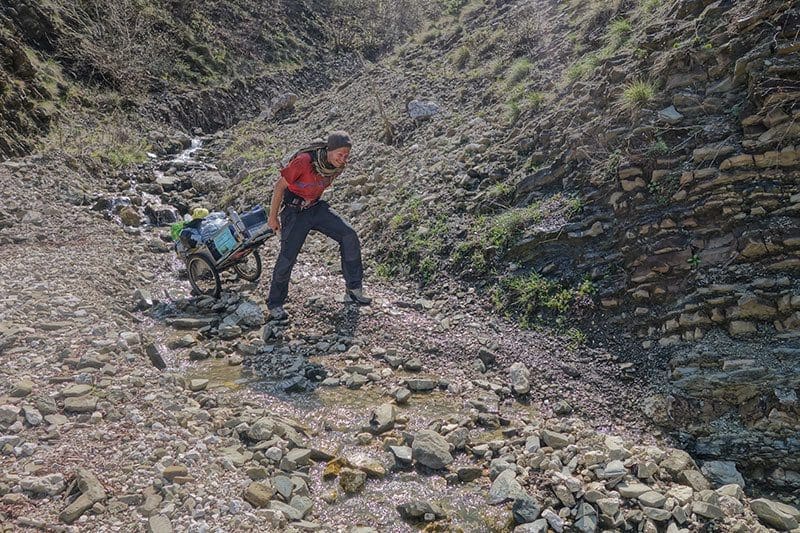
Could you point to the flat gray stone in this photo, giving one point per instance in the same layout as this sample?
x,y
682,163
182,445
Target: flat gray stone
x,y
505,487
431,449
159,524
778,515
721,473
554,440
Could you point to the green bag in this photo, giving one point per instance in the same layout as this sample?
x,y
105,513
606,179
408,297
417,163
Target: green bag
x,y
175,230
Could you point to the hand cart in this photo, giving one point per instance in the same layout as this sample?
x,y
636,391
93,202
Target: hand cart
x,y
232,247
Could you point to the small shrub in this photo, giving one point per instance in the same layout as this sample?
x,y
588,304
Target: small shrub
x,y
513,112
574,206
618,31
508,225
385,271
648,6
576,338
428,36
663,189
519,70
499,190
657,148
638,93
582,67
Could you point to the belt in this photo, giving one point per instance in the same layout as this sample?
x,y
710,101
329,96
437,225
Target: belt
x,y
299,203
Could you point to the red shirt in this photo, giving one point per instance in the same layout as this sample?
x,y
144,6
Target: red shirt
x,y
303,180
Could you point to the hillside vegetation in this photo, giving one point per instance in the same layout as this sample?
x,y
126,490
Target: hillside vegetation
x,y
93,76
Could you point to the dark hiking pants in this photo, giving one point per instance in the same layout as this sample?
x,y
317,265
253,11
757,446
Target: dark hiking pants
x,y
295,226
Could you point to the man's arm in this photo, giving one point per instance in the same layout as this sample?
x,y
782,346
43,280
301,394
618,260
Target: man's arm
x,y
275,205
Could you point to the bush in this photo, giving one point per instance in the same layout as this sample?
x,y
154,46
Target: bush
x,y
638,93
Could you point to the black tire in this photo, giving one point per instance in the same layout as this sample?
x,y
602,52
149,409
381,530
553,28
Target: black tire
x,y
249,268
203,275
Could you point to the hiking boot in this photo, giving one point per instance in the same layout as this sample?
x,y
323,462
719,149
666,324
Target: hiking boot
x,y
357,296
278,313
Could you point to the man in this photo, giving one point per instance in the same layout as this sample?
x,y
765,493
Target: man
x,y
298,190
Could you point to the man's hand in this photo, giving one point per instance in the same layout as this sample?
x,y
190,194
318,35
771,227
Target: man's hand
x,y
274,223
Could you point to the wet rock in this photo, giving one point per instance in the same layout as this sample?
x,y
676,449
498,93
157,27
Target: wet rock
x,y
431,449
525,510
469,473
417,510
352,480
420,385
382,419
537,526
505,487
722,473
402,455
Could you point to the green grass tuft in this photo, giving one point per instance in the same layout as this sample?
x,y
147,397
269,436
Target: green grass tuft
x,y
638,93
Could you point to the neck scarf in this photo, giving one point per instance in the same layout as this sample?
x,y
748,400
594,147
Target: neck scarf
x,y
319,160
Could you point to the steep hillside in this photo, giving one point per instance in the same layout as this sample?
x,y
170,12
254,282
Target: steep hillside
x,y
626,172
81,71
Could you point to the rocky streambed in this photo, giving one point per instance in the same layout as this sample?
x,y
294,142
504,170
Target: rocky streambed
x,y
127,404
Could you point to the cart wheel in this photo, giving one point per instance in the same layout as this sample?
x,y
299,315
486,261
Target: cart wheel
x,y
249,268
203,276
